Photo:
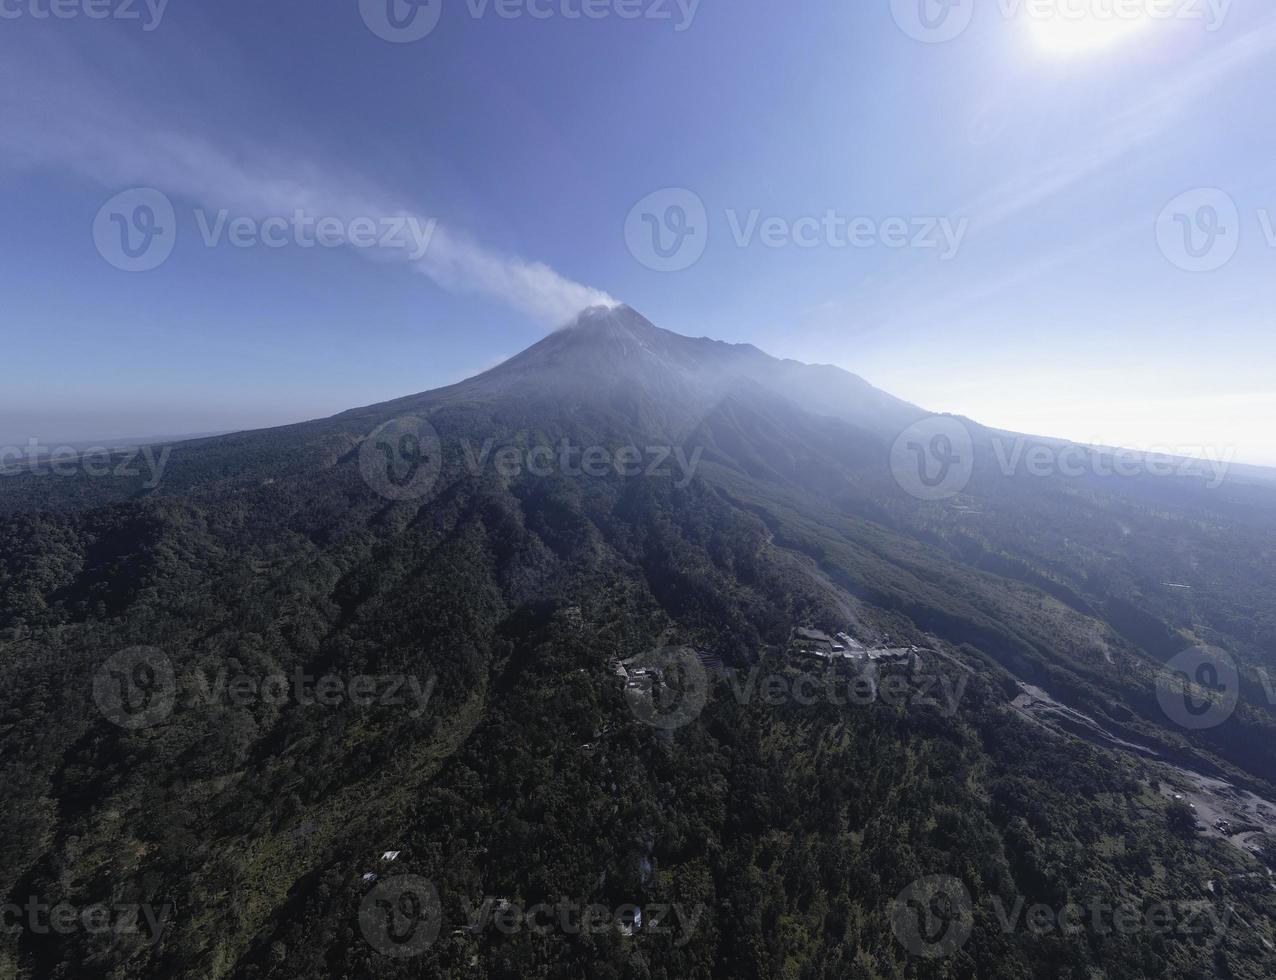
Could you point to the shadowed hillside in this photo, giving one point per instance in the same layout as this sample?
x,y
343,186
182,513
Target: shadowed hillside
x,y
420,627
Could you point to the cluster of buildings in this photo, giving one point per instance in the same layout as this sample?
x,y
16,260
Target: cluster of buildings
x,y
635,678
389,857
807,641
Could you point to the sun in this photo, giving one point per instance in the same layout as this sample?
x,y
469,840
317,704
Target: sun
x,y
1068,27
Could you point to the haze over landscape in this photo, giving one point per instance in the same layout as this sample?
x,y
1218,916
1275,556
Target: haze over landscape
x,y
637,490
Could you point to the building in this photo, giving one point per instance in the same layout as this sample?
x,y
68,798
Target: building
x,y
811,635
629,928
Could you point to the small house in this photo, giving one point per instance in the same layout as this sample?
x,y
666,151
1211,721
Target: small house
x,y
629,928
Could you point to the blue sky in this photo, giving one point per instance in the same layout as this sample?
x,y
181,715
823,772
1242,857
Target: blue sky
x,y
1061,303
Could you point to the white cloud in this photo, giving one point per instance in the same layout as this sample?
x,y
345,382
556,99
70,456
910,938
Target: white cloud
x,y
59,114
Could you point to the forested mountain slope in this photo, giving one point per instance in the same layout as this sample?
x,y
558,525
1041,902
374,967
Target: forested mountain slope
x,y
468,581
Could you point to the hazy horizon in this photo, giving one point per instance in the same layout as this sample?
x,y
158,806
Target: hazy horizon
x,y
1231,452
1047,226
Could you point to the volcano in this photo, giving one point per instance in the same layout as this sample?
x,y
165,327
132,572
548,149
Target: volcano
x,y
460,588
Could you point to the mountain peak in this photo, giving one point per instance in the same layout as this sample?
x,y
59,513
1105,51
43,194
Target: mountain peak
x,y
593,315
614,357
610,319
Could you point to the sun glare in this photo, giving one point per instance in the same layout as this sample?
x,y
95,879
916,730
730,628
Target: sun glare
x,y
1079,27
